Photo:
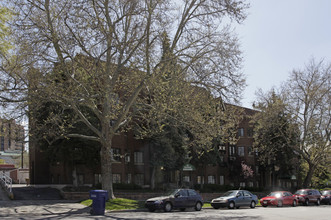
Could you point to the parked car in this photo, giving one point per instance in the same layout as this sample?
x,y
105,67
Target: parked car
x,y
306,196
326,197
279,198
178,199
235,198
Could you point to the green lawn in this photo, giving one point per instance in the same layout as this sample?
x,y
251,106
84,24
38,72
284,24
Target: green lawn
x,y
125,204
119,204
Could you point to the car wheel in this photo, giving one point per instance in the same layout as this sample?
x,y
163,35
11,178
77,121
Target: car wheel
x,y
294,203
280,203
198,206
306,202
318,202
231,205
253,204
167,207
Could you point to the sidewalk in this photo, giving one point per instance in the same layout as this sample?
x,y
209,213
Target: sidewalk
x,y
45,209
3,195
41,208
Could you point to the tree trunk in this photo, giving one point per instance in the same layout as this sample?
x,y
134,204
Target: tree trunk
x,y
153,178
74,176
307,181
106,169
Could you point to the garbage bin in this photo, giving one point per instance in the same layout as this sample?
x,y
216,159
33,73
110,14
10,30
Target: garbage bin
x,y
99,198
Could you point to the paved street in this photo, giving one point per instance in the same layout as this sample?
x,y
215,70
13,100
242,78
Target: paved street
x,y
64,209
259,213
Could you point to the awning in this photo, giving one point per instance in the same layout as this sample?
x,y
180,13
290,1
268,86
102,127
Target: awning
x,y
188,167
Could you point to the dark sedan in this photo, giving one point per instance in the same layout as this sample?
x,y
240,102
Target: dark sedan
x,y
326,197
235,198
178,199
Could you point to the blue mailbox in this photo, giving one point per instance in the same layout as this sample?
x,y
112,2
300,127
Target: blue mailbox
x,y
99,198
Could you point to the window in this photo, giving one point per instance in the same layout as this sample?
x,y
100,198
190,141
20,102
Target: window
x,y
192,192
221,148
250,151
241,132
139,179
287,194
97,178
242,184
186,178
250,184
232,150
138,158
183,193
200,180
241,151
80,179
247,194
127,158
211,179
116,178
222,180
116,154
129,178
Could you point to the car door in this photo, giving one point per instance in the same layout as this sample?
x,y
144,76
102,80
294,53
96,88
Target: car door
x,y
180,200
288,199
192,198
240,199
247,198
311,196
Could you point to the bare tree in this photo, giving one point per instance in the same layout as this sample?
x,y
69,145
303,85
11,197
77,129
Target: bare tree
x,y
100,55
309,96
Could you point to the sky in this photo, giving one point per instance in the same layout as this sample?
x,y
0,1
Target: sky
x,y
279,36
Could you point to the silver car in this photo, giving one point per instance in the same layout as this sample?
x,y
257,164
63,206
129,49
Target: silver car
x,y
234,199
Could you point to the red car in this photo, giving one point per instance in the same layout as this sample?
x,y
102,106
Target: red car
x,y
306,196
279,198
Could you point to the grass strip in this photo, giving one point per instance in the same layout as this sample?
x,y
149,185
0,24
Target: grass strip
x,y
125,204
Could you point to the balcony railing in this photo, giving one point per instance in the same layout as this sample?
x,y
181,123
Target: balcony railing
x,y
6,181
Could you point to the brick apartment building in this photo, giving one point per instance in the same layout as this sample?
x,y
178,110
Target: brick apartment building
x,y
133,166
11,136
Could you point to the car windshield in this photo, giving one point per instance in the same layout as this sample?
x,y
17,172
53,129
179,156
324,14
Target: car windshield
x,y
301,192
173,193
230,193
324,193
276,194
